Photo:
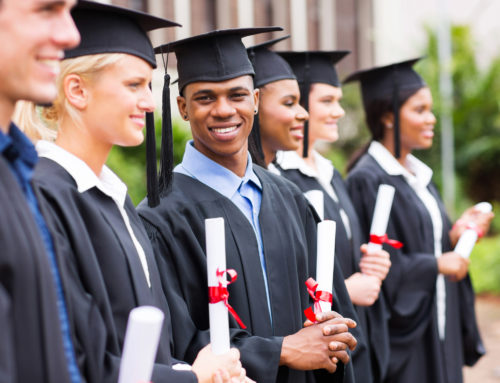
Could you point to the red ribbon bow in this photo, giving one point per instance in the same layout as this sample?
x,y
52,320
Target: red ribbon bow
x,y
317,296
380,239
219,293
470,226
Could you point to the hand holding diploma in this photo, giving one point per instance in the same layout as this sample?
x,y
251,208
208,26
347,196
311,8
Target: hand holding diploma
x,y
472,225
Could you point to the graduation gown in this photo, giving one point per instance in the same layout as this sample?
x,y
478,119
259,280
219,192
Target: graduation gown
x,y
417,353
288,226
371,357
102,276
31,346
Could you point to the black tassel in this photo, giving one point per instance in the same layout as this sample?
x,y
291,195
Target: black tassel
x,y
395,110
151,171
167,145
304,92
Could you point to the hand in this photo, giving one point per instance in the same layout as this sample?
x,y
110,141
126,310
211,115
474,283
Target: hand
x,y
470,216
332,316
318,346
375,262
363,289
453,265
211,368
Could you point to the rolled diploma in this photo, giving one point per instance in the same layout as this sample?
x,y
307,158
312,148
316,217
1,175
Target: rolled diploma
x,y
325,259
140,345
381,213
468,238
216,259
316,199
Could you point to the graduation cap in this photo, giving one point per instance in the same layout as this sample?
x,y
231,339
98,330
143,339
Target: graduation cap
x,y
380,82
269,67
111,29
214,56
313,67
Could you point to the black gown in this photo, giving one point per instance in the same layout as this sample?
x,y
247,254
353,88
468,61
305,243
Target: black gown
x,y
373,319
288,226
417,353
102,276
31,346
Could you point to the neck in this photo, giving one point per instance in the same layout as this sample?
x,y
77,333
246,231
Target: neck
x,y
388,143
269,154
6,111
80,143
310,159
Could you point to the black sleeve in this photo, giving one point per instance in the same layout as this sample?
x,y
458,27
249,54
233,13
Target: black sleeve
x,y
7,363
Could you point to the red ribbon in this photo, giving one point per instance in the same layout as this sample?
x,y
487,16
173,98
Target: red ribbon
x,y
470,226
380,239
317,296
219,293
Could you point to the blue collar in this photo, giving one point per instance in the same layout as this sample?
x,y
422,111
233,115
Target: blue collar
x,y
16,144
214,175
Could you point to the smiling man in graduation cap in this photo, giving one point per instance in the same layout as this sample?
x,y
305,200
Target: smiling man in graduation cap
x,y
106,260
270,230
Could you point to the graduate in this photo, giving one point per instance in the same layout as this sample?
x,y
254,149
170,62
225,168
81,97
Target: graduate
x,y
269,228
35,341
432,326
106,257
321,94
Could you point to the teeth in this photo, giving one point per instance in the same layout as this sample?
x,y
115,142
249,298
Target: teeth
x,y
50,62
224,130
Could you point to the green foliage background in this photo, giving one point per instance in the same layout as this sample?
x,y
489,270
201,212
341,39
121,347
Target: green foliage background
x,y
476,119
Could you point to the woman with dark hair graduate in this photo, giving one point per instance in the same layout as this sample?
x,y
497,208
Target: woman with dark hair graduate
x,y
432,326
321,94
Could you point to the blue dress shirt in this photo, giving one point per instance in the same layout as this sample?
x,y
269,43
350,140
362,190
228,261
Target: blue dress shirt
x,y
22,158
245,193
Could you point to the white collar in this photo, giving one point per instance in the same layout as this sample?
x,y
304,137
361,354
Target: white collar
x,y
107,182
420,173
291,160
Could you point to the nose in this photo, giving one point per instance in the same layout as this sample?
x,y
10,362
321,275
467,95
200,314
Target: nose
x,y
223,108
65,34
147,102
431,118
338,111
302,114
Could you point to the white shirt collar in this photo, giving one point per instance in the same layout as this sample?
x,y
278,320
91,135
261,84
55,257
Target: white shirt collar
x,y
107,182
420,173
291,160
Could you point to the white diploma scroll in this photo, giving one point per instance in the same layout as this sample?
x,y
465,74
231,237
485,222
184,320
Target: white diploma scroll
x,y
317,199
381,213
216,260
468,238
325,259
140,345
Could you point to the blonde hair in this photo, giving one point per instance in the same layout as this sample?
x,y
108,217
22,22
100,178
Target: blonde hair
x,y
43,122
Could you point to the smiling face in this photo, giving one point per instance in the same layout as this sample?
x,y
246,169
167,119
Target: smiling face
x,y
324,112
34,35
281,117
417,121
221,117
117,102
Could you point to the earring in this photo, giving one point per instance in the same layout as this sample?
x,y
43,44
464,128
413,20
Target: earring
x,y
255,111
185,116
389,126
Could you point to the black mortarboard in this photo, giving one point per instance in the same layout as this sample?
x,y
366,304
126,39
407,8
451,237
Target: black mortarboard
x,y
312,67
214,56
110,29
380,82
269,67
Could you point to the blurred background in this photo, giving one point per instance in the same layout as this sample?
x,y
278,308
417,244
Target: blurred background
x,y
461,42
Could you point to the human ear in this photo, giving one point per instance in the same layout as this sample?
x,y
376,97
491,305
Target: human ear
x,y
388,120
182,106
256,98
76,91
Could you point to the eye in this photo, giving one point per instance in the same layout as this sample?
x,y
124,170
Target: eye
x,y
238,96
204,98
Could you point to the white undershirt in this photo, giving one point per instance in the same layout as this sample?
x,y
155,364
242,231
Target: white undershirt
x,y
418,178
323,174
107,182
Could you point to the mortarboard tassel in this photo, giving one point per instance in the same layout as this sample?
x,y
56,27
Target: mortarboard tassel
x,y
395,110
306,87
151,172
167,146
